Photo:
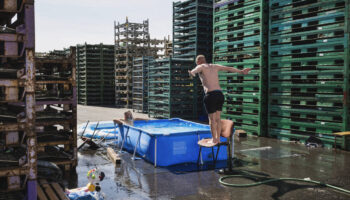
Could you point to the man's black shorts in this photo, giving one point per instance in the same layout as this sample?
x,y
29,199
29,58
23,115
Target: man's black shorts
x,y
213,101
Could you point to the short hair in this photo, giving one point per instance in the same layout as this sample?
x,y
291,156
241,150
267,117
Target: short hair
x,y
200,57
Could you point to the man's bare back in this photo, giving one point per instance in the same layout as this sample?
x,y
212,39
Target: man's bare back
x,y
208,73
214,98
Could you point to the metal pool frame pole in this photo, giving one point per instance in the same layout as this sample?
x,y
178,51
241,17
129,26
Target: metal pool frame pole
x,y
115,135
155,152
200,152
125,136
137,143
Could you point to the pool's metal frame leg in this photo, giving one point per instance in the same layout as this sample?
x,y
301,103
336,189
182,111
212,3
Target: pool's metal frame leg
x,y
217,153
212,152
115,135
125,136
229,151
199,155
137,143
200,152
155,152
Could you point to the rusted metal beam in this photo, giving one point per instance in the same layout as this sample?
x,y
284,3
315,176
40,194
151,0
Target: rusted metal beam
x,y
11,90
30,99
13,171
12,127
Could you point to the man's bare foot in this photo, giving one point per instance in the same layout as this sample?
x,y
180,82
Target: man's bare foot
x,y
212,141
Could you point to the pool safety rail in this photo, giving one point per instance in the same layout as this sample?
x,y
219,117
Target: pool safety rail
x,y
240,41
95,74
171,89
309,70
140,83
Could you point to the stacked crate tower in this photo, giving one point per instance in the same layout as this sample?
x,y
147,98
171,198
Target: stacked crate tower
x,y
309,69
18,168
171,92
192,28
168,47
240,36
56,108
95,74
158,49
131,40
170,89
140,83
192,36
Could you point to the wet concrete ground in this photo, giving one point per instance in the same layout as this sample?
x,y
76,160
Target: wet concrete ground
x,y
137,179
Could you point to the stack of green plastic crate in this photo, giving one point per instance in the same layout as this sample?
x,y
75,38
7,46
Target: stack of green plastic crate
x,y
309,69
192,28
95,74
140,83
192,36
170,89
240,36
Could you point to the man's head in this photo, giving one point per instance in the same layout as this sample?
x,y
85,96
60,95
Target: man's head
x,y
200,60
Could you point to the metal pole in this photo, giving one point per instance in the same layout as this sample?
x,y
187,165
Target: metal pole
x,y
200,152
30,100
346,95
125,136
115,134
87,123
155,152
30,126
137,143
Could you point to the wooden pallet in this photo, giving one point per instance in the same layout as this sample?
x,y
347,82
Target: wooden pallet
x,y
50,191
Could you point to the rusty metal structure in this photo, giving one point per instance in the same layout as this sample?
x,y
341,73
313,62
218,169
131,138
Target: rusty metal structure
x,y
131,40
18,170
37,103
56,102
168,47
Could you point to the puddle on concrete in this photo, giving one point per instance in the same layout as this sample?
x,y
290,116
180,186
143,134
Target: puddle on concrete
x,y
138,179
145,168
269,153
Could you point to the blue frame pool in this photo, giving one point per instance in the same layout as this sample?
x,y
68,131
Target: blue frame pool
x,y
167,142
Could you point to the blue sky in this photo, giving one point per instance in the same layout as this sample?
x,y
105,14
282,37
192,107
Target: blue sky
x,y
62,23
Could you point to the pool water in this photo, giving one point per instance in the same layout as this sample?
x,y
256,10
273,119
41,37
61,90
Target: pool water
x,y
169,127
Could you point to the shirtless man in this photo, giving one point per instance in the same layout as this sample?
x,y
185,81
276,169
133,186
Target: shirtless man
x,y
214,98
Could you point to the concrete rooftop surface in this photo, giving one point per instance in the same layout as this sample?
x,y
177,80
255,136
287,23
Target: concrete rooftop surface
x,y
264,157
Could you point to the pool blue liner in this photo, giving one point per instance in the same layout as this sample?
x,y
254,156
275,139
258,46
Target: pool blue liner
x,y
168,142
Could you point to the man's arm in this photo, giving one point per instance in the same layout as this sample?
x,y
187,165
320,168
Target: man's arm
x,y
194,71
232,69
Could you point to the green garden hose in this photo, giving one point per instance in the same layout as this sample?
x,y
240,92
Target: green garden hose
x,y
221,180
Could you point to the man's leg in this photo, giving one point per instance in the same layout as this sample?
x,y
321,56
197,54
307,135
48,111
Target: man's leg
x,y
218,125
213,127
